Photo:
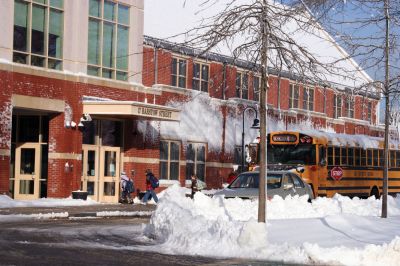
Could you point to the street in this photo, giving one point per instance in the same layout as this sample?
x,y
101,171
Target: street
x,y
107,241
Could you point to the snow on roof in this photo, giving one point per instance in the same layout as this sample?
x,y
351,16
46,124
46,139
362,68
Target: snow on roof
x,y
170,19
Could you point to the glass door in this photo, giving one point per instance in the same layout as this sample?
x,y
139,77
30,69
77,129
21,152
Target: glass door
x,y
90,170
109,174
27,171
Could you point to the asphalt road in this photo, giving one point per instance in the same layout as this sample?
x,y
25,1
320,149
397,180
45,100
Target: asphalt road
x,y
106,241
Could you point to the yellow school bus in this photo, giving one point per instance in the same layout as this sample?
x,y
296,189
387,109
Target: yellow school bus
x,y
332,163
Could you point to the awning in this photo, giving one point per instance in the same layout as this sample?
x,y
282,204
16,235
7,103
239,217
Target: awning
x,y
131,109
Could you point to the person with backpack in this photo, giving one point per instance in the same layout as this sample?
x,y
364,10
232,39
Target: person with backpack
x,y
127,187
151,183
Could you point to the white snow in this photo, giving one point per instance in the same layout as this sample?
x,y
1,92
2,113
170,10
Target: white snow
x,y
333,231
7,202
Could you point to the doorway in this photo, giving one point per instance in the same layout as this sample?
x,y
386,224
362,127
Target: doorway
x,y
101,152
29,156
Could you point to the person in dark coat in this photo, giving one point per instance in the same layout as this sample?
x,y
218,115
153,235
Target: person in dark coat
x,y
149,188
194,185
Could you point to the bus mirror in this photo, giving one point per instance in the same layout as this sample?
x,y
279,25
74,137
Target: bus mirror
x,y
300,170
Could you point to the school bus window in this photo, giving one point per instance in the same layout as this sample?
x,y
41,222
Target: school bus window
x,y
397,158
363,157
337,155
392,159
330,155
344,156
381,158
322,156
376,162
369,157
357,154
350,156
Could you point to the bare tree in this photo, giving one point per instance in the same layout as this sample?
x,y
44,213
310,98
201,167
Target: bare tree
x,y
375,49
272,36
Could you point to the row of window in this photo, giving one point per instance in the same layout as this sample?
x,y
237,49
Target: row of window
x,y
38,36
349,156
169,160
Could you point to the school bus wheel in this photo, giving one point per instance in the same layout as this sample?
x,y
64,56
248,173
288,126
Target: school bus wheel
x,y
374,192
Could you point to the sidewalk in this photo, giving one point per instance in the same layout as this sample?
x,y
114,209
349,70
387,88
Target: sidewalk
x,y
97,210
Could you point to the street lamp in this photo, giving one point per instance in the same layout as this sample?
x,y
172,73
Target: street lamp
x,y
256,125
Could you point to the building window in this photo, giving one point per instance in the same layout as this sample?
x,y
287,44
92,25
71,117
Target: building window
x,y
256,88
337,106
38,33
196,160
369,114
294,96
169,160
200,77
308,99
350,107
108,40
242,87
178,73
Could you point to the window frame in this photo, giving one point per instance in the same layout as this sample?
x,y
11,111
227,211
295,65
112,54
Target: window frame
x,y
169,160
175,66
28,54
350,107
337,105
100,68
241,77
308,98
196,161
201,79
294,91
256,93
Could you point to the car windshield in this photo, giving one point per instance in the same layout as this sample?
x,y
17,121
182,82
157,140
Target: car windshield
x,y
250,180
291,154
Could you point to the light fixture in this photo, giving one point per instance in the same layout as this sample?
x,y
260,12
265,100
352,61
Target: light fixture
x,y
73,124
87,117
81,124
67,124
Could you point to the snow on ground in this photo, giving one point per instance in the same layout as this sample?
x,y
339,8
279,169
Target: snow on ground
x,y
338,230
7,202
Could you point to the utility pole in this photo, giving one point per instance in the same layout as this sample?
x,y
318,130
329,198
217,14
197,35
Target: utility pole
x,y
387,114
263,114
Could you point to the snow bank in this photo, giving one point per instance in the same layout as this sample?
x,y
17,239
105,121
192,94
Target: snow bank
x,y
221,227
7,202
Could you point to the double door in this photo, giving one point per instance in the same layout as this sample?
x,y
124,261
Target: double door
x,y
101,172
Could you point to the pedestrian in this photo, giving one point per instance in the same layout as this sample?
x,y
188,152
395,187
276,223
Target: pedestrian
x,y
232,176
194,185
151,184
127,187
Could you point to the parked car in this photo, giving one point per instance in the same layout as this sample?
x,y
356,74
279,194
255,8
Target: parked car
x,y
281,183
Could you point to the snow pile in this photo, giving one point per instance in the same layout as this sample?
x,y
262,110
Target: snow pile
x,y
7,202
203,219
123,213
335,230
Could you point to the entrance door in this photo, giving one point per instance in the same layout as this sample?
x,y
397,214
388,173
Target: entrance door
x,y
27,171
109,174
90,174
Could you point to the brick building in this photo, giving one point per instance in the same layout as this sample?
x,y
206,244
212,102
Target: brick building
x,y
84,96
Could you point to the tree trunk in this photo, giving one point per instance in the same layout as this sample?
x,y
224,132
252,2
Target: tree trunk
x,y
387,114
263,117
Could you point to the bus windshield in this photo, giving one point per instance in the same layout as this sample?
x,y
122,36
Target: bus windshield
x,y
291,154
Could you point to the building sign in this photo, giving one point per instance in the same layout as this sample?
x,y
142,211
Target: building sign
x,y
154,112
337,173
284,138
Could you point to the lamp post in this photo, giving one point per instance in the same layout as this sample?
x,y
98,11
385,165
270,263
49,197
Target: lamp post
x,y
256,125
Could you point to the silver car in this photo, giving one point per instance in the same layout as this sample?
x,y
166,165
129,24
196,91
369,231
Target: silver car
x,y
281,183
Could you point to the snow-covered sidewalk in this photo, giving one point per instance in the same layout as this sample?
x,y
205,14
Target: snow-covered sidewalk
x,y
333,231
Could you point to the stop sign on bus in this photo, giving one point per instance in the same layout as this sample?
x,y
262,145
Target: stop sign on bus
x,y
337,173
